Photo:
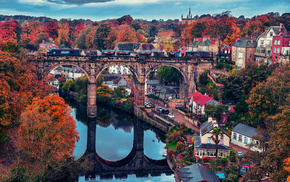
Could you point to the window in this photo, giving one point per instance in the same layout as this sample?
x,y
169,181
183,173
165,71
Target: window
x,y
240,138
278,42
246,140
250,140
235,136
208,140
275,42
278,50
271,34
274,50
262,42
221,154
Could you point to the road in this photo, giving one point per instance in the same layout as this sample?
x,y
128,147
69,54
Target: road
x,y
178,117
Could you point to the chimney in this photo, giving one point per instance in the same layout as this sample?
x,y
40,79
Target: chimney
x,y
237,38
209,119
215,123
281,29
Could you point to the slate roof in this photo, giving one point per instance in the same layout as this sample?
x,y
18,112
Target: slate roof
x,y
212,146
193,44
212,102
147,46
164,90
200,98
197,172
130,46
153,82
208,126
245,43
245,130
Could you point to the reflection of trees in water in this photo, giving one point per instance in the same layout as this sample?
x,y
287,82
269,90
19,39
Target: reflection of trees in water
x,y
108,115
104,118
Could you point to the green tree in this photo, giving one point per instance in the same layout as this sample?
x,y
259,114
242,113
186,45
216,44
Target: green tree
x,y
101,35
120,92
168,75
216,135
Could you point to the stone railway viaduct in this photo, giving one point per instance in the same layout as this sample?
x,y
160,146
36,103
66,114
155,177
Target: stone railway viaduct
x,y
140,67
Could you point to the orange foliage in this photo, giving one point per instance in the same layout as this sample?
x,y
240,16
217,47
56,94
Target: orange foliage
x,y
30,31
9,30
64,34
126,34
47,129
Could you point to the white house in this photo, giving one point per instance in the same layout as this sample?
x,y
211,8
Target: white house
x,y
264,45
198,101
204,146
242,136
117,69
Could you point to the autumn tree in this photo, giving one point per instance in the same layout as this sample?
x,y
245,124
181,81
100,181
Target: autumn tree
x,y
47,129
51,28
266,98
64,33
10,30
30,30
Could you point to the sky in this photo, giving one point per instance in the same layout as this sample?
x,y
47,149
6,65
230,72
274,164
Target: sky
x,y
98,10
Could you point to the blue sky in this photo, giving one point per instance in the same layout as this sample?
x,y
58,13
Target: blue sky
x,y
97,10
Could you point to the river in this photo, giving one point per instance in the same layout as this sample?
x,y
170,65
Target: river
x,y
114,141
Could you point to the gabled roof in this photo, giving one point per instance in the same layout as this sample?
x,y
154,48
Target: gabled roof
x,y
245,130
245,43
211,146
196,173
209,126
200,98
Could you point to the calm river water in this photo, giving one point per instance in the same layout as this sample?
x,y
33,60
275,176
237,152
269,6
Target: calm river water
x,y
114,140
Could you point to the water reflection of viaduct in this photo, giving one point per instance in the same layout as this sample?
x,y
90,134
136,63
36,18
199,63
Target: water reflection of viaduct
x,y
136,162
189,70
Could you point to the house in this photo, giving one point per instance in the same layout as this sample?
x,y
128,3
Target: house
x,y
46,46
197,173
198,101
242,51
150,84
242,135
281,47
118,69
204,146
204,44
264,44
170,92
224,51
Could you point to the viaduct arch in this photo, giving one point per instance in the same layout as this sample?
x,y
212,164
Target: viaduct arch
x,y
140,67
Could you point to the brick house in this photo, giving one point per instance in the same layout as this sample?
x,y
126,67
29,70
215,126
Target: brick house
x,y
205,44
281,47
264,44
242,51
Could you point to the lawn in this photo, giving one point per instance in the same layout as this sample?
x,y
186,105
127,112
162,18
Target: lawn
x,y
172,146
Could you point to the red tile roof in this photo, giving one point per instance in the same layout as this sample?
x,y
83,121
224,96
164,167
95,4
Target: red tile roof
x,y
200,98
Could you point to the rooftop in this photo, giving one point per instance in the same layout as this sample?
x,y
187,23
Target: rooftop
x,y
245,130
197,172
